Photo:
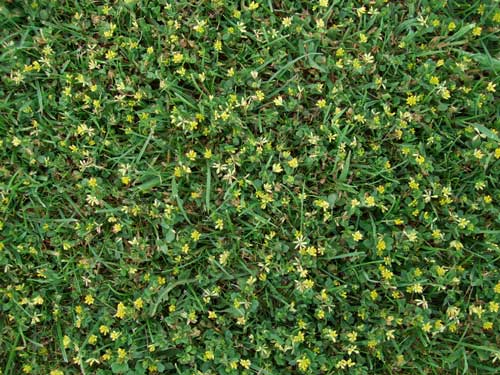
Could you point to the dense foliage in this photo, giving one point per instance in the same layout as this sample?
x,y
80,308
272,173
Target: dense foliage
x,y
254,187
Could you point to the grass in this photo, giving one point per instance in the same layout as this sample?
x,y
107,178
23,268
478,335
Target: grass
x,y
265,187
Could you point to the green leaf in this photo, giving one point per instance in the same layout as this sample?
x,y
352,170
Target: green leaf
x,y
119,368
486,132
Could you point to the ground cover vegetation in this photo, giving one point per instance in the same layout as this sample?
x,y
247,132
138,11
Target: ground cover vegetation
x,y
249,187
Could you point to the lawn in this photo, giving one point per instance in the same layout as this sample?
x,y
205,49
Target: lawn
x,y
249,187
